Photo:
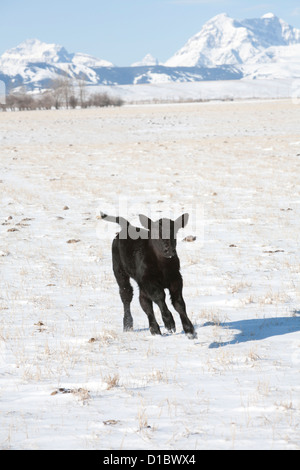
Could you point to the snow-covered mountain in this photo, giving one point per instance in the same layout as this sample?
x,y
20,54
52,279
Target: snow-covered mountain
x,y
224,49
224,40
147,60
33,50
34,63
36,51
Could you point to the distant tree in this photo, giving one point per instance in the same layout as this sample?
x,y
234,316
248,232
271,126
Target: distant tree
x,y
62,89
57,92
82,90
46,100
67,87
73,101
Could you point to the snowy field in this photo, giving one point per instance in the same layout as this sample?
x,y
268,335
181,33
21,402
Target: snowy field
x,y
160,91
69,377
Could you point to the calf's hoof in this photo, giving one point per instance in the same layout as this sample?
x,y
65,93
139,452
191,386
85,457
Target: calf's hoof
x,y
192,335
128,325
172,330
127,328
155,330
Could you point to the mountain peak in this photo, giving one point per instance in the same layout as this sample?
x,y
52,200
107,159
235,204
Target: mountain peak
x,y
30,42
34,50
220,16
147,60
268,15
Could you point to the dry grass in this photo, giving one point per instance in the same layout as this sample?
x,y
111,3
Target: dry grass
x,y
112,380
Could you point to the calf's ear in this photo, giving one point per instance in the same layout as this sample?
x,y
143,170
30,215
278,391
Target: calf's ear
x,y
145,221
181,222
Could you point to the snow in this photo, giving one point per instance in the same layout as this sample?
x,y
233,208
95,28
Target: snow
x,y
70,377
90,61
158,91
268,15
277,62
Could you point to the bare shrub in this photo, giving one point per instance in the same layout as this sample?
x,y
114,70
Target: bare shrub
x,y
103,100
60,94
46,100
20,101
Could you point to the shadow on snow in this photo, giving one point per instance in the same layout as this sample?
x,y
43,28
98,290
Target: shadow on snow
x,y
259,329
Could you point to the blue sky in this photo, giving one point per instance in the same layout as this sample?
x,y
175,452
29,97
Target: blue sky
x,y
124,31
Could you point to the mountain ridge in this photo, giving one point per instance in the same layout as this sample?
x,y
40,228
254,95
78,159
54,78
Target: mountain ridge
x,y
225,48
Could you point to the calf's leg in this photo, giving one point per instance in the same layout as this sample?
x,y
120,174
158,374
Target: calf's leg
x,y
165,313
125,289
157,294
147,306
179,305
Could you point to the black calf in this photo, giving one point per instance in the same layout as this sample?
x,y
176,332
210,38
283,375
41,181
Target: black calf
x,y
150,258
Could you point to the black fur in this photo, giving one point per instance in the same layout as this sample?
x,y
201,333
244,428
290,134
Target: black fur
x,y
150,258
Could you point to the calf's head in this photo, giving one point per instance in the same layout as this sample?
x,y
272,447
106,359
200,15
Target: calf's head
x,y
163,233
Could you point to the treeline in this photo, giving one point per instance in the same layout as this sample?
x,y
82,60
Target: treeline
x,y
61,94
